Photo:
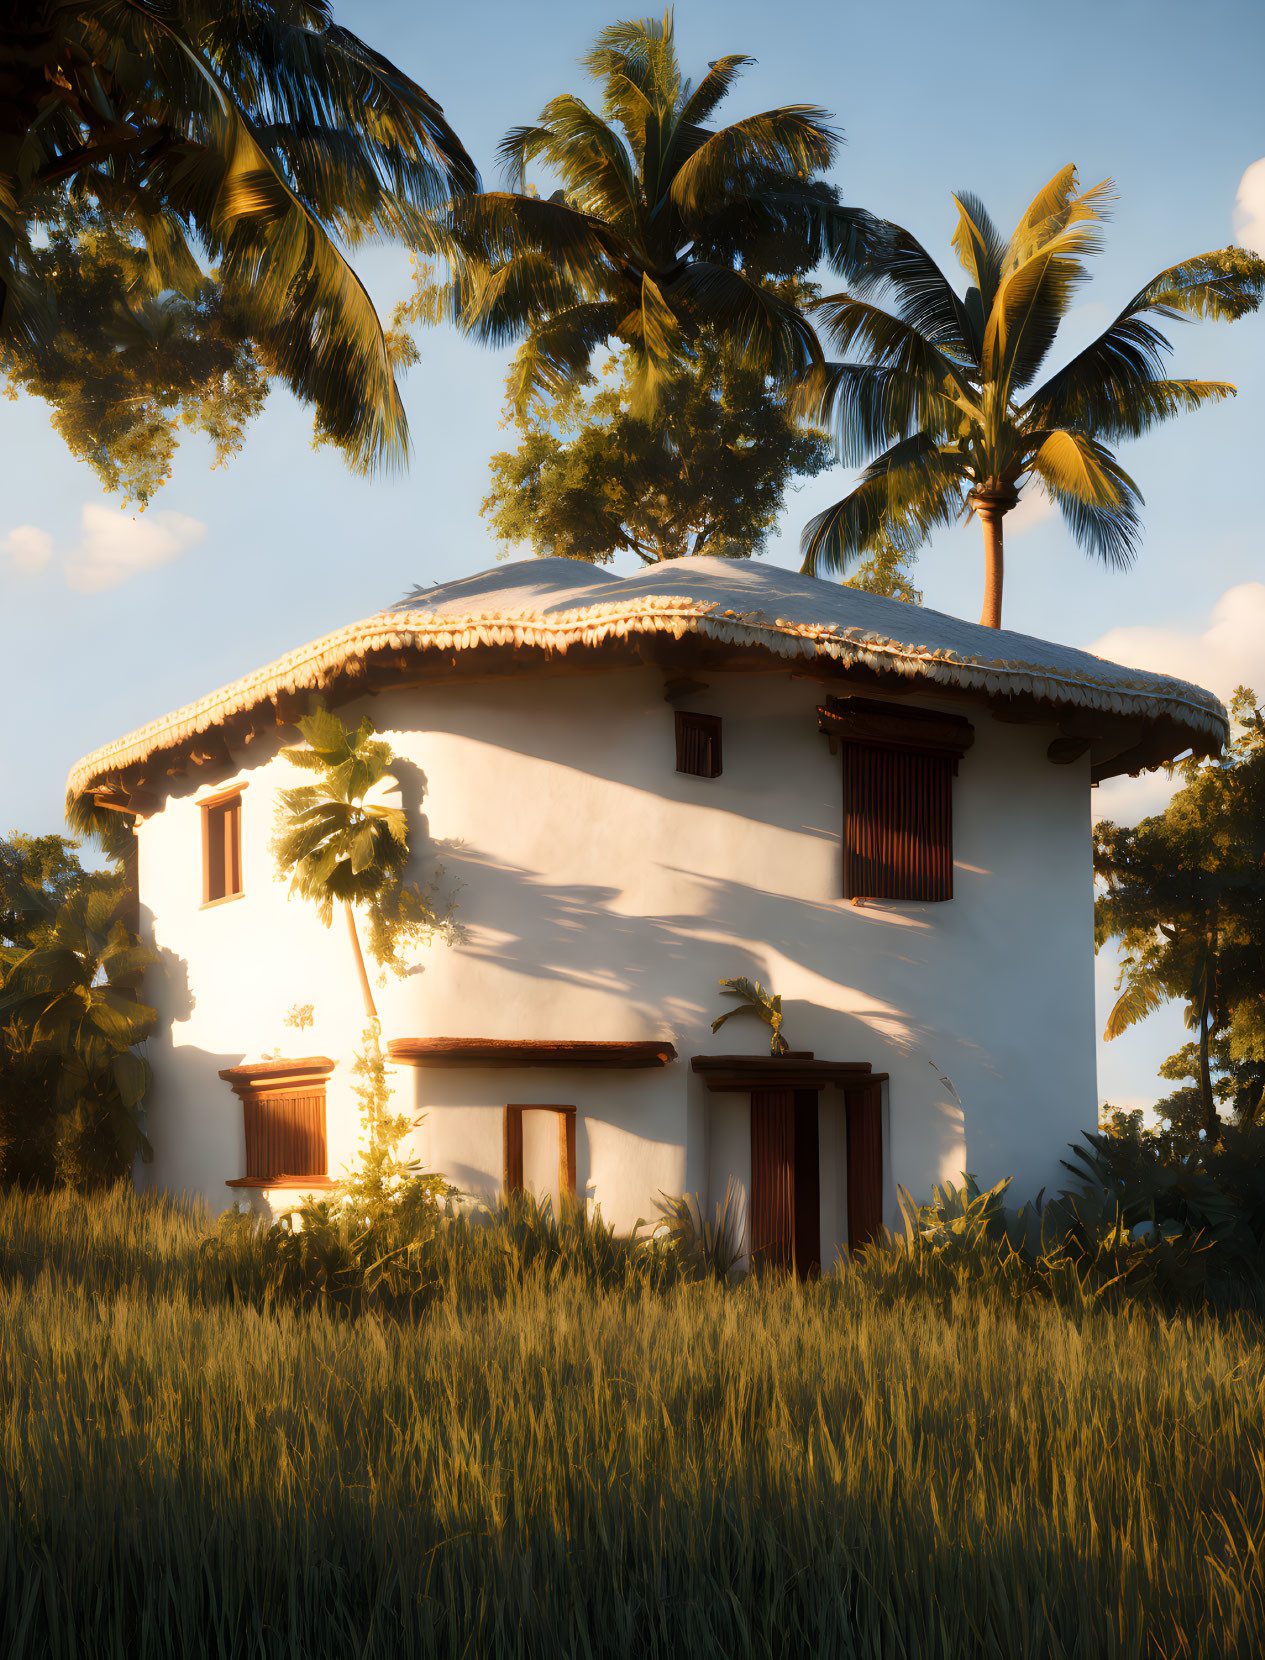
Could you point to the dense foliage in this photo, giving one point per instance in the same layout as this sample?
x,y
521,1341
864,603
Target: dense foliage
x,y
705,473
941,386
563,1461
129,366
254,141
1184,896
71,967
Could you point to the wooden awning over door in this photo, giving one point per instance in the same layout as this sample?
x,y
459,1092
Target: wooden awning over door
x,y
739,1073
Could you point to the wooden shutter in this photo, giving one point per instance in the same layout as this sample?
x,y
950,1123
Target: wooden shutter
x,y
897,823
898,769
865,1164
807,1184
698,744
773,1177
285,1135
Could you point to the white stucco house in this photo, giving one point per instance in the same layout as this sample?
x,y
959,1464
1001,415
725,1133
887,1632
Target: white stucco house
x,y
637,788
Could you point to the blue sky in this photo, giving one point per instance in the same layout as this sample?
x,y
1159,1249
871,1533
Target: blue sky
x,y
124,619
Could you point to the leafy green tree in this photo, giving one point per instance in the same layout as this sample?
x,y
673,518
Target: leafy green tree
x,y
887,571
72,995
48,864
127,367
1184,896
663,227
254,136
340,849
941,385
705,473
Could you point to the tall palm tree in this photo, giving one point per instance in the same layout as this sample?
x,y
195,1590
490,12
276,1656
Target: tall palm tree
x,y
944,381
339,849
255,134
662,226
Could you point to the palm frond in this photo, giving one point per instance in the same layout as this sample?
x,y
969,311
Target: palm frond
x,y
556,355
707,97
865,406
1139,999
759,326
1098,499
980,246
1061,215
1043,267
796,139
895,260
1222,286
1107,395
911,489
891,342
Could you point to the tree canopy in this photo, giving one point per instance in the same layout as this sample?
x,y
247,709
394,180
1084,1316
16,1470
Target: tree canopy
x,y
127,368
705,473
941,384
252,141
664,226
1184,896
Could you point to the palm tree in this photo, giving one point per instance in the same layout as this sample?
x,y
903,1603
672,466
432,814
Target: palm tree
x,y
944,382
662,227
765,1005
254,133
72,994
337,848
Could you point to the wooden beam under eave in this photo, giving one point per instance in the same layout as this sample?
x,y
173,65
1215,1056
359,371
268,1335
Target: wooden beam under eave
x,y
1063,751
113,801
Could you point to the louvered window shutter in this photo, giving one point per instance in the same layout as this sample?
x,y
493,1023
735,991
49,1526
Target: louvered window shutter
x,y
698,744
898,835
285,1135
899,764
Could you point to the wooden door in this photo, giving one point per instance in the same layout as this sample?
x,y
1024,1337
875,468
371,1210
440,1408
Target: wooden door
x,y
807,1185
785,1180
865,1164
773,1177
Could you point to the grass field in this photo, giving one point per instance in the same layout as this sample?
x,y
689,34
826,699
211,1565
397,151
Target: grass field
x,y
546,1470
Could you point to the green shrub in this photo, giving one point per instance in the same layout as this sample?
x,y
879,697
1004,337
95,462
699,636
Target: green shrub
x,y
710,1246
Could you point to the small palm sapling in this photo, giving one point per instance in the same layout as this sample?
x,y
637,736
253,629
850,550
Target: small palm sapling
x,y
755,1000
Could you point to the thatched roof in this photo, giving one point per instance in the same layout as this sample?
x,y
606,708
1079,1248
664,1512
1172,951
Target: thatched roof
x,y
726,612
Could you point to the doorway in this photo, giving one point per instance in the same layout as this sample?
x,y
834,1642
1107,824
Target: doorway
x,y
786,1180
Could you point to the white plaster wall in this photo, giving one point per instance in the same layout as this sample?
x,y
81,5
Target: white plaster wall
x,y
604,895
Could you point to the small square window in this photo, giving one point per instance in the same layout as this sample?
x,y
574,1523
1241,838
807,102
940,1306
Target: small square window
x,y
698,744
514,1171
221,848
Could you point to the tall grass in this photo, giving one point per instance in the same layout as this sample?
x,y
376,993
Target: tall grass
x,y
536,1467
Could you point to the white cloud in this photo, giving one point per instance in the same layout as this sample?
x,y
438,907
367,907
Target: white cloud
x,y
116,546
1228,651
1249,208
29,547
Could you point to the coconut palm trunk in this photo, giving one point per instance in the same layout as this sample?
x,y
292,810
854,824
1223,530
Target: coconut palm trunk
x,y
991,507
366,990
